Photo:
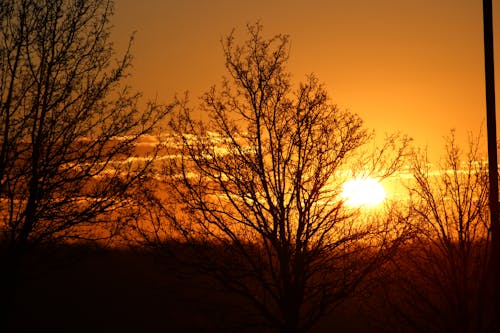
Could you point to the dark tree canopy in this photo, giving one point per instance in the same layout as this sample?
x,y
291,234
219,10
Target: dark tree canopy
x,y
255,189
438,282
68,125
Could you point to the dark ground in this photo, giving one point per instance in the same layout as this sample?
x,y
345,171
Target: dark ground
x,y
120,291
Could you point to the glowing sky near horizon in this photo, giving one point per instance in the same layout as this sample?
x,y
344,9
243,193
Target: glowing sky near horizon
x,y
363,192
414,66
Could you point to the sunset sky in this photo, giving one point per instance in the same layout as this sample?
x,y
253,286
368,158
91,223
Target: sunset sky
x,y
414,66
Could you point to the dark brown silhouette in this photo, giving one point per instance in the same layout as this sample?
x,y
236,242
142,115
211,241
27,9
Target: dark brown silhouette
x,y
68,128
494,204
255,191
438,281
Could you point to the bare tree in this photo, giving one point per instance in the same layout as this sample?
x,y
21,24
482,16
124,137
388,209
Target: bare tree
x,y
438,281
255,189
68,126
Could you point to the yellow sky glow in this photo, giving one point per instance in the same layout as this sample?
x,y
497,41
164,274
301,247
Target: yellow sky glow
x,y
414,66
363,192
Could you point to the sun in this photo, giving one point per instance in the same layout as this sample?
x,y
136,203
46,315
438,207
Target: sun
x,y
363,192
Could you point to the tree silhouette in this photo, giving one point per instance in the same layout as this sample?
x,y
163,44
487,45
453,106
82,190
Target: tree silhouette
x,y
68,127
438,281
254,191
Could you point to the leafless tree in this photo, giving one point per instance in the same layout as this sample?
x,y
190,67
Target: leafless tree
x,y
255,189
68,126
438,281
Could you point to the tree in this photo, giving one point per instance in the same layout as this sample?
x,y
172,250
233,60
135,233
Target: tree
x,y
254,190
438,281
68,127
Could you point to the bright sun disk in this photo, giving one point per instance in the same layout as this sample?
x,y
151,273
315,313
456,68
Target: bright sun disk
x,y
363,192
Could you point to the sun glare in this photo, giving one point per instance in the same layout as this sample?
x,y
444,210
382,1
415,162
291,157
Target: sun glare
x,y
363,192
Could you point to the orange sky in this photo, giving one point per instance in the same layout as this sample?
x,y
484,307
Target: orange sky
x,y
410,65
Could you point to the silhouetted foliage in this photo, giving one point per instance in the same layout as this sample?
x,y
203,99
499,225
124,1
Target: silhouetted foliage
x,y
438,281
254,191
68,126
